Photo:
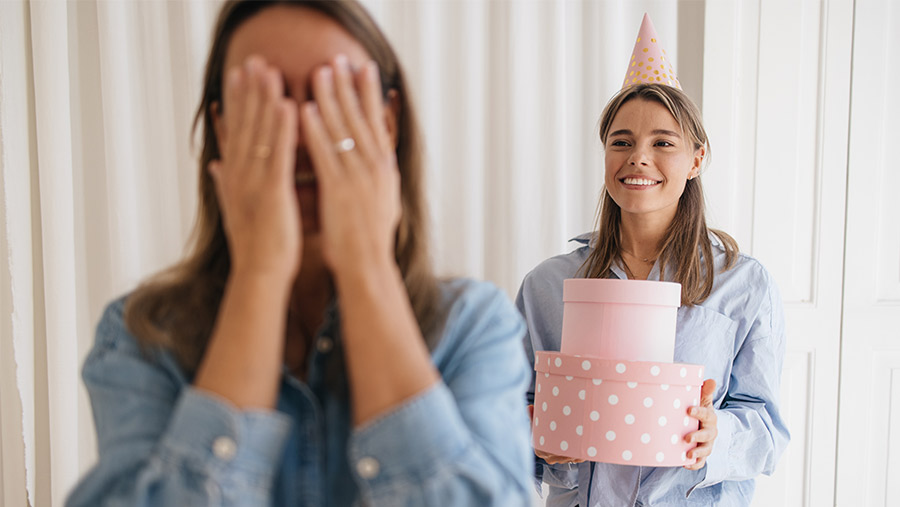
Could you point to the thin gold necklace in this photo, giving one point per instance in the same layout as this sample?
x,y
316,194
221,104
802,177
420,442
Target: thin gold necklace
x,y
645,259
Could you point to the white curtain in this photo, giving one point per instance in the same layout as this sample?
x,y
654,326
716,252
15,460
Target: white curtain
x,y
98,174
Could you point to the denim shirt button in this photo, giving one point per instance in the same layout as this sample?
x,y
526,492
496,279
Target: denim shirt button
x,y
367,467
324,345
224,448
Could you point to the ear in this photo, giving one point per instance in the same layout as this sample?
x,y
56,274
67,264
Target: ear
x,y
699,154
392,116
215,110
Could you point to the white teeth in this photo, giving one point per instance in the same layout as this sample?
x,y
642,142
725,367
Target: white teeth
x,y
639,181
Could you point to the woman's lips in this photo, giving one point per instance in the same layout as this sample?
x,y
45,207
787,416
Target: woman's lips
x,y
639,182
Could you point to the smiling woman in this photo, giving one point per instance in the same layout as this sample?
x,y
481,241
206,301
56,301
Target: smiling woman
x,y
303,353
652,226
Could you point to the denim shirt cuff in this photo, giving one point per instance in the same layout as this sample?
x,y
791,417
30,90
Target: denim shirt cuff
x,y
412,440
717,464
211,435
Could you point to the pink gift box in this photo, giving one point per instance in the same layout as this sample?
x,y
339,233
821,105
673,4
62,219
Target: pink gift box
x,y
614,411
612,393
620,319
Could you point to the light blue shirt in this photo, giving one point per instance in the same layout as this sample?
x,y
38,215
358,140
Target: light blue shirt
x,y
737,334
463,442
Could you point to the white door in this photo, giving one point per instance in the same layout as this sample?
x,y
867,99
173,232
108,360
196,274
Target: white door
x,y
775,101
868,467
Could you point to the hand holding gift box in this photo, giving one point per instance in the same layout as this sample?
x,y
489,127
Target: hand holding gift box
x,y
613,393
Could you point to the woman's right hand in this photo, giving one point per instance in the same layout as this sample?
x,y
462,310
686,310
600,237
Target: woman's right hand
x,y
254,178
552,459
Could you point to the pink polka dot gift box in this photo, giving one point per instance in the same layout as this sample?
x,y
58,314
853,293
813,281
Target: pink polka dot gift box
x,y
613,393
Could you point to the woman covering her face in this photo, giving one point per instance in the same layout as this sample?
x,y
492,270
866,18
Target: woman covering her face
x,y
651,226
304,353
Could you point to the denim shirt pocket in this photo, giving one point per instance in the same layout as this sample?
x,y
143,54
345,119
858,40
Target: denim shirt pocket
x,y
706,337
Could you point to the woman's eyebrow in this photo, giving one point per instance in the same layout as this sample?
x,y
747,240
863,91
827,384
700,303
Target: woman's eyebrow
x,y
665,133
621,132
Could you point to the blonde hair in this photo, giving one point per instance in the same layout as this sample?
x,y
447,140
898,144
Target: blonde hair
x,y
176,309
686,245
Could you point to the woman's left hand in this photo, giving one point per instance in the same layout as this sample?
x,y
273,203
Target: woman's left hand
x,y
706,434
355,164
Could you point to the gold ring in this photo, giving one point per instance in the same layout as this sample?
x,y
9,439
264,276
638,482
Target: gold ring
x,y
261,151
344,145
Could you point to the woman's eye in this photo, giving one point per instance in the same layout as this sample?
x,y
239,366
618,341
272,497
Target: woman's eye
x,y
619,143
664,143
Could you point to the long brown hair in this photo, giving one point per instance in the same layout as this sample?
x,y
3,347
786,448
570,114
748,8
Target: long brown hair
x,y
686,245
177,308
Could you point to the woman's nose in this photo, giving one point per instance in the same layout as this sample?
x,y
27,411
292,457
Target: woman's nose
x,y
638,157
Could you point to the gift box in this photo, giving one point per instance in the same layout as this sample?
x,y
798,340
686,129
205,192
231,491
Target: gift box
x,y
620,319
614,411
612,393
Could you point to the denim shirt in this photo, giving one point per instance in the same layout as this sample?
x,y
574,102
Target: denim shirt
x,y
737,333
463,442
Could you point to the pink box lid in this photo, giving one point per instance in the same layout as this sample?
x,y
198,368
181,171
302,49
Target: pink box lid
x,y
638,292
649,372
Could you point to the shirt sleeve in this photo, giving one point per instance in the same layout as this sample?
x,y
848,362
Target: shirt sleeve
x,y
751,432
466,439
560,475
160,443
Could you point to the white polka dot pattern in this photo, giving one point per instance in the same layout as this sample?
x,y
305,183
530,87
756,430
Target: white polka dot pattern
x,y
636,407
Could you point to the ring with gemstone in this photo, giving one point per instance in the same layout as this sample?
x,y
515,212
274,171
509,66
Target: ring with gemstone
x,y
344,145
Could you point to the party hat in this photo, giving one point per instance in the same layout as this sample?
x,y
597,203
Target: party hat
x,y
649,62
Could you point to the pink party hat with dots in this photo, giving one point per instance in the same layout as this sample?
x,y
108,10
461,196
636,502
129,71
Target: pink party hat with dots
x,y
649,62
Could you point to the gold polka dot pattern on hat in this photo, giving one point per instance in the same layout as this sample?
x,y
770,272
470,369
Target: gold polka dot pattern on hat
x,y
644,69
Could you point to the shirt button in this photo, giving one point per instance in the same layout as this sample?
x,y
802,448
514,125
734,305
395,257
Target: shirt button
x,y
324,345
224,448
367,467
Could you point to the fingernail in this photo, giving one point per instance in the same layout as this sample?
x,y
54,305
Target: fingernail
x,y
373,70
693,411
341,62
326,73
